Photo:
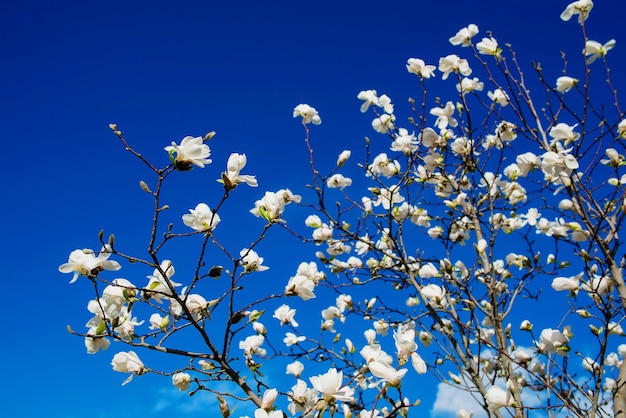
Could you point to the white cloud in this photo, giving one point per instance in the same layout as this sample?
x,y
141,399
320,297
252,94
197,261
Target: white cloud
x,y
450,399
175,402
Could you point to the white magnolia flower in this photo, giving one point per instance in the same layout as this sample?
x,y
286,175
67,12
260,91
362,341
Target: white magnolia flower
x,y
343,157
428,271
526,163
404,339
444,116
191,151
566,283
261,413
387,372
304,399
370,336
497,398
116,295
418,363
621,128
181,381
564,132
404,142
259,328
251,261
452,63
489,46
499,96
388,197
434,295
308,114
329,384
580,8
128,362
197,305
252,345
338,181
285,315
313,221
369,97
94,343
160,284
565,83
322,233
302,286
291,339
595,50
310,270
236,162
159,322
295,369
202,218
553,340
599,285
464,36
86,263
269,397
558,166
614,158
384,102
383,165
419,67
383,123
615,329
590,365
468,85
272,205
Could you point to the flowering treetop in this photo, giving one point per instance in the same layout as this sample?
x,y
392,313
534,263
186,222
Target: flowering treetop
x,y
426,258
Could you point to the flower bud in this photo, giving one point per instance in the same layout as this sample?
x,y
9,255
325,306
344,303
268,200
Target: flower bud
x,y
269,396
583,313
224,408
595,330
144,187
526,325
215,271
343,157
206,365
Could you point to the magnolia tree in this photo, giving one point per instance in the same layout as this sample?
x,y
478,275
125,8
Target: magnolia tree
x,y
434,260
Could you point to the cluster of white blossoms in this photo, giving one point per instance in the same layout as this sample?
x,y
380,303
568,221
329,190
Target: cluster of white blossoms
x,y
436,209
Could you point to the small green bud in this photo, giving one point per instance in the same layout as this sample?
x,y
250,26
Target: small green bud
x,y
255,315
102,326
265,214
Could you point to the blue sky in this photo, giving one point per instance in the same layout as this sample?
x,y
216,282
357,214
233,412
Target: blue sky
x,y
162,71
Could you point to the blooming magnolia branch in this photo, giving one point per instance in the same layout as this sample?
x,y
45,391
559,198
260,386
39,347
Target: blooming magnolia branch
x,y
442,238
